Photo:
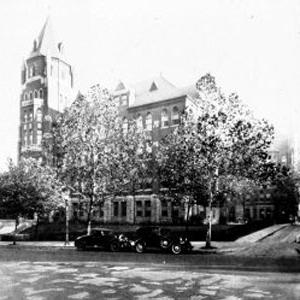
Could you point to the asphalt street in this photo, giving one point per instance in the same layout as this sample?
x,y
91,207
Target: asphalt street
x,y
69,274
96,280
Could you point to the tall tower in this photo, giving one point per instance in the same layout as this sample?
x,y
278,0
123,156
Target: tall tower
x,y
47,88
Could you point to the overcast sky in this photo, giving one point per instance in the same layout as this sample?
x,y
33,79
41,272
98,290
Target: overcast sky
x,y
251,47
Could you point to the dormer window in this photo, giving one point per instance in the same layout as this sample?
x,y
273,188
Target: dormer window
x,y
153,87
35,94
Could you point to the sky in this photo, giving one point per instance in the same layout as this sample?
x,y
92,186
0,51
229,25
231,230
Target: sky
x,y
250,46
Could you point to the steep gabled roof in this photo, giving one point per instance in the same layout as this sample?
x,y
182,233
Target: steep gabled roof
x,y
45,43
154,90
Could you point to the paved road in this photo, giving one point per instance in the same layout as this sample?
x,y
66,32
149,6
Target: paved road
x,y
65,274
94,280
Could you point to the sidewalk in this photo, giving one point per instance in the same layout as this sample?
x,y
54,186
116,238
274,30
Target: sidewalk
x,y
221,247
38,244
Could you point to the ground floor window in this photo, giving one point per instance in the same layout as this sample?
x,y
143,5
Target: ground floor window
x,y
123,208
116,209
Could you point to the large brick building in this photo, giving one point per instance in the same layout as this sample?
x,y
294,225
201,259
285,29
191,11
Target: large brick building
x,y
156,104
47,88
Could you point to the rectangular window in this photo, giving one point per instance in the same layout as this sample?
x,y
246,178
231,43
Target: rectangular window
x,y
39,137
165,123
124,100
148,203
175,121
148,213
123,208
254,213
138,203
139,213
164,213
39,125
101,212
116,209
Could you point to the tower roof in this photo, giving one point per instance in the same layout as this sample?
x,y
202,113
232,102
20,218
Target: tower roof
x,y
45,43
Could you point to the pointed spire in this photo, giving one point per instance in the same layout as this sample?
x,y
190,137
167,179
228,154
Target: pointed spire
x,y
45,43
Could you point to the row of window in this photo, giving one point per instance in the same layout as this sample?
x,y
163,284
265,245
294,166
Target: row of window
x,y
28,126
33,94
164,118
28,116
28,138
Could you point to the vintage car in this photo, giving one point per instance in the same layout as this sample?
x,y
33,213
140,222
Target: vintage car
x,y
102,238
153,237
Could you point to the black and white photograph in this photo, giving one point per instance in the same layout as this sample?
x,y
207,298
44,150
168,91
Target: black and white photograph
x,y
150,149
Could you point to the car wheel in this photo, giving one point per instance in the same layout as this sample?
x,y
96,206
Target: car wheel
x,y
164,244
114,246
139,247
176,249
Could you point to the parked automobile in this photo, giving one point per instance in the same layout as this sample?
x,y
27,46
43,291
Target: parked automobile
x,y
159,238
102,238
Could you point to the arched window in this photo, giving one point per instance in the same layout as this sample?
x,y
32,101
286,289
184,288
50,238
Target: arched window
x,y
149,121
41,94
30,95
139,122
125,125
175,115
31,71
25,96
39,115
35,94
164,118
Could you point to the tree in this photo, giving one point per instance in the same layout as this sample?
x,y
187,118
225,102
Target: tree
x,y
87,131
220,140
94,154
284,191
29,189
134,165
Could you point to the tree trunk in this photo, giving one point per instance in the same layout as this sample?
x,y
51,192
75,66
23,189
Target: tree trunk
x,y
36,227
187,217
89,216
67,221
134,208
15,231
208,234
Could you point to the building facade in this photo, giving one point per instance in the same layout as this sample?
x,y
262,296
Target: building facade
x,y
156,104
47,88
